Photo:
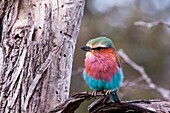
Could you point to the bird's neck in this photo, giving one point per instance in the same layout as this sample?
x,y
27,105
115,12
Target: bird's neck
x,y
101,65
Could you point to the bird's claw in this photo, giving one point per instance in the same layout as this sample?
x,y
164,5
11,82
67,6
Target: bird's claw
x,y
94,93
107,92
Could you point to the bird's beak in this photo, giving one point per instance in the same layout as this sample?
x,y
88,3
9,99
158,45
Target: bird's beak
x,y
85,48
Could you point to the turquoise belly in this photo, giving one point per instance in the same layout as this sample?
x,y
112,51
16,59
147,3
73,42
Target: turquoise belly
x,y
114,84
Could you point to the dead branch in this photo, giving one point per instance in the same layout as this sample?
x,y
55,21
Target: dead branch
x,y
71,104
150,25
164,92
101,105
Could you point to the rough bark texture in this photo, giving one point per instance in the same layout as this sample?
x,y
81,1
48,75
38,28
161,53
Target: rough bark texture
x,y
38,42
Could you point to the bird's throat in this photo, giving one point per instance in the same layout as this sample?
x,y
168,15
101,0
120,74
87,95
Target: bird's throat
x,y
101,66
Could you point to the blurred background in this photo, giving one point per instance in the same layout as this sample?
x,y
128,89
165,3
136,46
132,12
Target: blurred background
x,y
147,47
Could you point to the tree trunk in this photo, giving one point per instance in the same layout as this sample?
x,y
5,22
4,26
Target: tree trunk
x,y
38,42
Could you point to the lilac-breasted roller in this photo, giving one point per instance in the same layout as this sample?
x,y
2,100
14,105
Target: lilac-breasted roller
x,y
103,71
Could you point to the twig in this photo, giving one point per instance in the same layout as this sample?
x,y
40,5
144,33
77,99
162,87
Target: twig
x,y
164,92
132,83
150,25
136,86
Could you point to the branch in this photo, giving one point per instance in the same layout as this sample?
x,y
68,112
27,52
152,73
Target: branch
x,y
150,25
164,92
71,104
101,105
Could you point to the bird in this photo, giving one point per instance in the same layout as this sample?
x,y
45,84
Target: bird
x,y
103,67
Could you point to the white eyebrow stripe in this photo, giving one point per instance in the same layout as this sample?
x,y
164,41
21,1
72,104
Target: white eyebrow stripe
x,y
97,45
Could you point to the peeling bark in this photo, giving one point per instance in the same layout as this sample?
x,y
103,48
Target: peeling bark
x,y
38,42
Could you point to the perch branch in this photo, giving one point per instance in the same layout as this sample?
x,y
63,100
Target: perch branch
x,y
150,25
71,104
96,105
164,92
101,105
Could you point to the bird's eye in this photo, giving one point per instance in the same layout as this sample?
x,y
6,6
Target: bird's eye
x,y
99,48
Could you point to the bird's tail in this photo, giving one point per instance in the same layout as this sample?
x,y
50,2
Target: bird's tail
x,y
114,97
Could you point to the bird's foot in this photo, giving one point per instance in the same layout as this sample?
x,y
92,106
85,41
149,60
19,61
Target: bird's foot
x,y
107,92
116,98
94,93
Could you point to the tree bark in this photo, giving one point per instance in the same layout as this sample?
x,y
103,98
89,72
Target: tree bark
x,y
38,42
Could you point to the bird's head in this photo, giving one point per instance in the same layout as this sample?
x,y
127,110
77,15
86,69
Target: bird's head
x,y
100,57
97,44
